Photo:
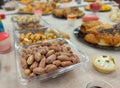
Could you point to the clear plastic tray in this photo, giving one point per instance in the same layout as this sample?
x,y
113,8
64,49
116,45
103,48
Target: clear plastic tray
x,y
24,80
42,22
44,30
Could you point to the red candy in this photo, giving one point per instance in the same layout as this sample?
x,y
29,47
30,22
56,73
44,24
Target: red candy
x,y
90,18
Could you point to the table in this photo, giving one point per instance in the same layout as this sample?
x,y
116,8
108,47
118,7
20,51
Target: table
x,y
75,79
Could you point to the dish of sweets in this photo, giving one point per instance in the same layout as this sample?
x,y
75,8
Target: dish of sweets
x,y
104,8
104,64
90,0
45,7
98,34
63,13
62,1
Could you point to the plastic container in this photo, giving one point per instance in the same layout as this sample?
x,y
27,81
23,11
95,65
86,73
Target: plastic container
x,y
17,26
5,45
98,84
45,31
24,80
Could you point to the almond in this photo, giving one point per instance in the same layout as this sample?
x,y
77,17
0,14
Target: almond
x,y
30,59
50,53
50,59
50,68
63,58
24,63
34,65
42,63
57,63
66,63
38,57
39,70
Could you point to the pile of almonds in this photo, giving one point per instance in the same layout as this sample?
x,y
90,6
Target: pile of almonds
x,y
47,57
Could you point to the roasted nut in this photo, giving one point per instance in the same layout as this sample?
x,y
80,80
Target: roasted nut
x,y
30,60
34,65
39,70
57,63
50,68
24,63
66,63
27,72
63,58
56,49
32,75
64,49
50,53
50,59
67,54
42,63
75,59
38,57
42,51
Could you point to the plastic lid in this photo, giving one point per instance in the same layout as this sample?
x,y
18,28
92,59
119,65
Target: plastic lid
x,y
3,36
2,16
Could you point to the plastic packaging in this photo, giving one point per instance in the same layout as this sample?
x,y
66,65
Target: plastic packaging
x,y
24,80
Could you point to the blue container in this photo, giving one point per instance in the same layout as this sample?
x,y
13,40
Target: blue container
x,y
1,26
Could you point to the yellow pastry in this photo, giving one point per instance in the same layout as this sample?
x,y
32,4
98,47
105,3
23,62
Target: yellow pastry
x,y
104,64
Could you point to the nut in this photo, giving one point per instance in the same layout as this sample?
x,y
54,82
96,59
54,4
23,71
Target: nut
x,y
24,63
42,63
38,57
67,54
75,59
50,53
66,63
63,58
39,70
34,65
57,63
27,72
32,75
30,60
50,68
42,51
51,58
56,49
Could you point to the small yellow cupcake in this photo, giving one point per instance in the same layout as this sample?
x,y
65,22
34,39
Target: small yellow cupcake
x,y
104,64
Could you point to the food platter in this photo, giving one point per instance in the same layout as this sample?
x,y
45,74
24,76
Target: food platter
x,y
22,12
79,35
66,18
62,13
105,10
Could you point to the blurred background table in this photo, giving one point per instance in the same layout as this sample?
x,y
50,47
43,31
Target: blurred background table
x,y
75,79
